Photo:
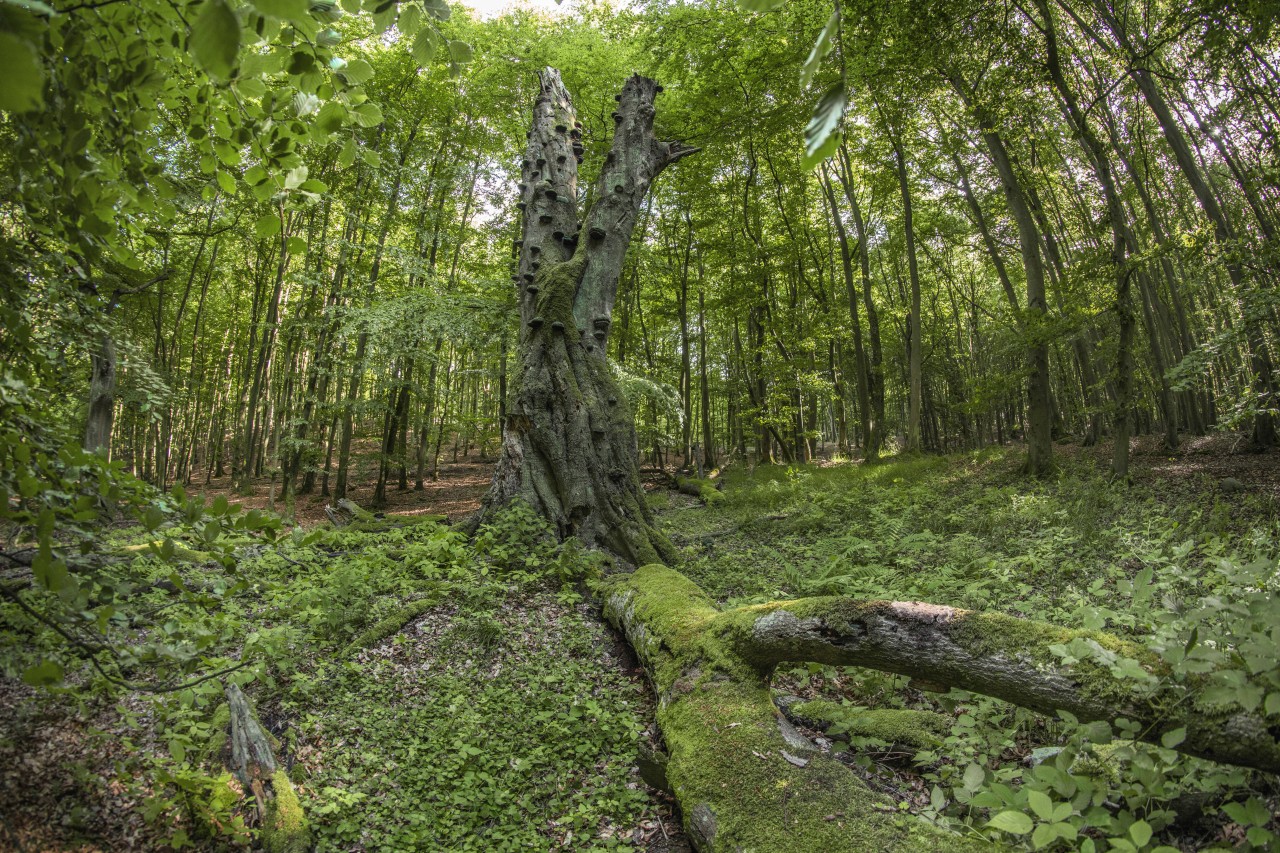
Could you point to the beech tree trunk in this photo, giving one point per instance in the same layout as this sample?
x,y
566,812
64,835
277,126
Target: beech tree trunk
x,y
102,397
747,780
569,441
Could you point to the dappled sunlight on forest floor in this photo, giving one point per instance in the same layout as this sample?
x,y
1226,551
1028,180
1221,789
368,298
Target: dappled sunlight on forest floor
x,y
455,494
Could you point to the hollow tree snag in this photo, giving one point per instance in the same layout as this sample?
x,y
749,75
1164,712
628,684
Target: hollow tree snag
x,y
569,444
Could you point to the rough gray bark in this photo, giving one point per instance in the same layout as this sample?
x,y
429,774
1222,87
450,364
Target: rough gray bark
x,y
284,825
102,397
711,670
569,446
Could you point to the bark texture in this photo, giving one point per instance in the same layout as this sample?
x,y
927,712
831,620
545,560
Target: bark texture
x,y
284,825
711,671
102,397
569,444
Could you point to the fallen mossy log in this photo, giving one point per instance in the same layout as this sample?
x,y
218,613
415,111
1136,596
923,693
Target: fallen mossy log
x,y
746,779
905,727
394,621
179,552
709,491
284,824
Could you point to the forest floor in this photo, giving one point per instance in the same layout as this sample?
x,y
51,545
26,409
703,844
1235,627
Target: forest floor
x,y
457,491
390,724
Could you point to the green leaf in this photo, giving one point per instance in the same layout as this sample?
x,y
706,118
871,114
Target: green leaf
x,y
820,137
295,177
1171,739
1040,804
1043,836
268,225
348,154
251,87
437,9
357,71
459,52
227,182
367,114
821,48
1272,705
43,674
974,776
301,62
761,5
215,38
332,116
23,75
33,6
1013,822
282,8
1140,832
424,47
410,19
177,750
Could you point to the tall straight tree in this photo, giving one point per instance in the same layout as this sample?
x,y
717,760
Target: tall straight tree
x,y
569,441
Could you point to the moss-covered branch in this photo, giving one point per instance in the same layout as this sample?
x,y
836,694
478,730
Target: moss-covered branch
x,y
1018,660
745,778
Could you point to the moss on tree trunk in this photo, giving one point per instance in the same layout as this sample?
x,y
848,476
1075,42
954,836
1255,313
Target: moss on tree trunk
x,y
569,442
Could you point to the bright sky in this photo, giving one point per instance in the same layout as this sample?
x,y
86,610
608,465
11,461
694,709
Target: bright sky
x,y
493,8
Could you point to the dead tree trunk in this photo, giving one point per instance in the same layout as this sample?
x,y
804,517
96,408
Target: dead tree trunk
x,y
569,443
284,825
102,397
746,779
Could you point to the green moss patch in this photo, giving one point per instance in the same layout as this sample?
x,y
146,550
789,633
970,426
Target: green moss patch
x,y
286,829
906,727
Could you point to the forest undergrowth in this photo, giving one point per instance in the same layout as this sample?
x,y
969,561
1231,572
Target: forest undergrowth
x,y
436,693
425,692
1186,565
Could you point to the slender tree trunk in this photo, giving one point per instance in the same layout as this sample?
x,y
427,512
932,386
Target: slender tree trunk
x,y
861,372
915,347
102,396
1039,401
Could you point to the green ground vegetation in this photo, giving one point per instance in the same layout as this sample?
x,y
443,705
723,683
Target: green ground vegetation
x,y
425,691
1179,568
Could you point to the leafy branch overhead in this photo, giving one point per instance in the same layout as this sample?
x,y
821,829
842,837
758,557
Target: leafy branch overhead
x,y
822,134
